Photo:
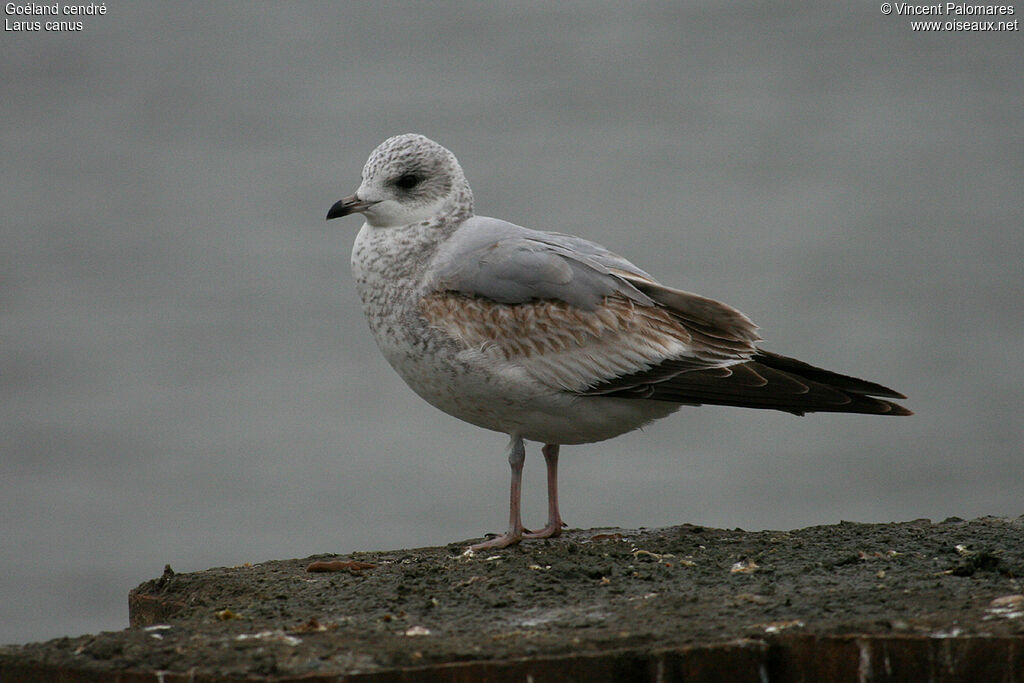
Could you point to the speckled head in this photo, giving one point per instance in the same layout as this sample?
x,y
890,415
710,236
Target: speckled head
x,y
409,179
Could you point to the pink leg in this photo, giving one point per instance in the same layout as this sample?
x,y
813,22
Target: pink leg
x,y
555,523
516,457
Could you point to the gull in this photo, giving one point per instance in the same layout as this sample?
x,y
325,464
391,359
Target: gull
x,y
549,337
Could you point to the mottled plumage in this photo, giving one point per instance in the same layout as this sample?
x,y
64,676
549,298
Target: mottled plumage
x,y
545,336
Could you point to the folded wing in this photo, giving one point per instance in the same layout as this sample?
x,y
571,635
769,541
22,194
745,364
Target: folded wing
x,y
581,319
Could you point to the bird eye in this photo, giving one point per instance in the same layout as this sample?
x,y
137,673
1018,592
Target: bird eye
x,y
407,181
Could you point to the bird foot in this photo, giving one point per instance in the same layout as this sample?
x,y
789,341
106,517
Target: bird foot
x,y
514,536
552,530
506,539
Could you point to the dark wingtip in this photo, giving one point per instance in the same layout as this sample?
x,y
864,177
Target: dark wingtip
x,y
886,392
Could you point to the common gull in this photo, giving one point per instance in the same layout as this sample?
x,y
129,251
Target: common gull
x,y
548,337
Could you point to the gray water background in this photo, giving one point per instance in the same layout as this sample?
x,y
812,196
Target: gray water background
x,y
185,374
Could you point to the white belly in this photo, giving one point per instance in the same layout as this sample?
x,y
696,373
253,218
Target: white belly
x,y
503,398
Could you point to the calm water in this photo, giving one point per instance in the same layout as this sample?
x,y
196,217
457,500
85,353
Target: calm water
x,y
186,377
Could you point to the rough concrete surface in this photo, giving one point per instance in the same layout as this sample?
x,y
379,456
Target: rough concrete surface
x,y
844,602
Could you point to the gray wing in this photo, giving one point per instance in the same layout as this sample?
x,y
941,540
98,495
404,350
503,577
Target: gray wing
x,y
510,264
580,318
592,314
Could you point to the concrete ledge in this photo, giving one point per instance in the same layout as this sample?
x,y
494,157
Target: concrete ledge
x,y
848,602
786,659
